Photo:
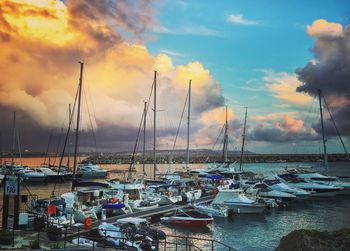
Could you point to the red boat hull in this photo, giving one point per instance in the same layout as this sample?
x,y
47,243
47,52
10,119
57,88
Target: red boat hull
x,y
190,223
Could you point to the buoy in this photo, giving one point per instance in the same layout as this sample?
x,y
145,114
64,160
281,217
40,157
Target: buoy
x,y
87,223
114,199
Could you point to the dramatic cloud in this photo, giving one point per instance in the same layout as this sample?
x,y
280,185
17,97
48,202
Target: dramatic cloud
x,y
325,30
329,71
280,127
283,87
239,19
41,42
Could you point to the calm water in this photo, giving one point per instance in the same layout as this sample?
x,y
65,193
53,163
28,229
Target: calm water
x,y
248,232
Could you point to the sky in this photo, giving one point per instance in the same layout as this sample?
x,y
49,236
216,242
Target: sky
x,y
268,56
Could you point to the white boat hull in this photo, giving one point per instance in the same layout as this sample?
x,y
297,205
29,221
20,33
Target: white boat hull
x,y
241,208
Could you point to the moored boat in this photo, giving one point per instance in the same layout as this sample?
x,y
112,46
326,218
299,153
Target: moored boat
x,y
235,199
188,218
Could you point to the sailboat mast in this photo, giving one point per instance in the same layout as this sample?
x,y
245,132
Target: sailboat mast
x,y
144,139
323,137
243,138
68,148
154,125
14,139
225,137
188,125
78,122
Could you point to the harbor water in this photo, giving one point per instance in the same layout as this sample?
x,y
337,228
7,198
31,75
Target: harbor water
x,y
243,232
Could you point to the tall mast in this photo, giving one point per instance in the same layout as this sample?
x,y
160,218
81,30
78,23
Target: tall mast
x,y
69,121
14,139
188,125
225,137
144,139
1,153
154,126
243,139
323,137
78,122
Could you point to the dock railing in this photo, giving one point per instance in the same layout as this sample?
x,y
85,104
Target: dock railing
x,y
106,238
169,243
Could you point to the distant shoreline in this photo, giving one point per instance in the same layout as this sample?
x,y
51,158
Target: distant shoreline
x,y
164,157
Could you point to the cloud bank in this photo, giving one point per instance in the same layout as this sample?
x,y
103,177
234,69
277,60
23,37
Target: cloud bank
x,y
41,42
329,71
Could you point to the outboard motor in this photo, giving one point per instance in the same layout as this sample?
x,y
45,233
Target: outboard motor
x,y
146,244
184,197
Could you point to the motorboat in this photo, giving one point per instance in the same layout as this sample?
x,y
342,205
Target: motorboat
x,y
84,242
90,170
263,190
132,189
211,210
11,168
282,187
117,237
321,179
144,204
52,175
188,218
236,200
140,226
189,187
30,175
85,203
315,189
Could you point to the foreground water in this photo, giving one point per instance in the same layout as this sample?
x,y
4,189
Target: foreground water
x,y
248,232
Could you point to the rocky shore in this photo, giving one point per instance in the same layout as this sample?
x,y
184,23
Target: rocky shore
x,y
313,240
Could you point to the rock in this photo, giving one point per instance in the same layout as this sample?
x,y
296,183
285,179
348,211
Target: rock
x,y
313,240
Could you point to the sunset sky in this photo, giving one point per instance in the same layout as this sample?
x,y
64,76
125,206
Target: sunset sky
x,y
269,56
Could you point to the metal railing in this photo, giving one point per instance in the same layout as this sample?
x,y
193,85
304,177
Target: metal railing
x,y
107,239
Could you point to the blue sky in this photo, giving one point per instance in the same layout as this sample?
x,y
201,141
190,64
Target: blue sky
x,y
271,37
235,54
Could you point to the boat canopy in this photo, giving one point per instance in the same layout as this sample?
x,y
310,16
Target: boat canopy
x,y
215,177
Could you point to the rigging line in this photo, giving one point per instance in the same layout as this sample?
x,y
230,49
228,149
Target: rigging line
x,y
48,146
136,143
217,139
335,126
26,187
178,128
66,138
92,128
139,130
58,146
92,102
19,148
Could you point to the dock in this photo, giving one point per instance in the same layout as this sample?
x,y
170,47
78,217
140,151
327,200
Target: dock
x,y
142,214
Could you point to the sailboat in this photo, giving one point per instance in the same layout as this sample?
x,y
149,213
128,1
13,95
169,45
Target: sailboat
x,y
225,165
317,184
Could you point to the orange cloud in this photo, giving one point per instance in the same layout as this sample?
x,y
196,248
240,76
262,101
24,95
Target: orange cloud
x,y
290,124
274,116
217,115
322,29
283,87
194,71
42,41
